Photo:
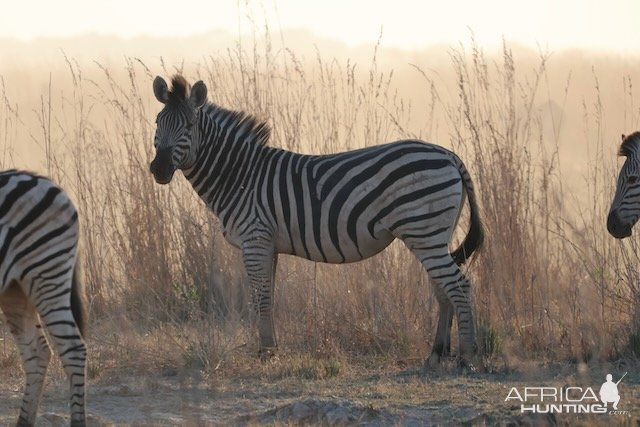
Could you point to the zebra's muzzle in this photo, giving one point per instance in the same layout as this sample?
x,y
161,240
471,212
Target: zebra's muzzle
x,y
616,228
162,170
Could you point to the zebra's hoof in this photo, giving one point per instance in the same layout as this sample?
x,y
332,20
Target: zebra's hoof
x,y
267,354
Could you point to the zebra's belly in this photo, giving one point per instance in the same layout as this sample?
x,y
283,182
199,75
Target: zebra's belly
x,y
368,246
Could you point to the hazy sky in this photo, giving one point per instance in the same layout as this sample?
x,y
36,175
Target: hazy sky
x,y
551,24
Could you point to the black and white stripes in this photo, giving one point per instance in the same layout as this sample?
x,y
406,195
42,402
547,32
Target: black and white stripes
x,y
625,208
333,208
39,233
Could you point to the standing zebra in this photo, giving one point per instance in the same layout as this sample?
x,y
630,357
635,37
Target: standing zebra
x,y
625,208
39,233
334,208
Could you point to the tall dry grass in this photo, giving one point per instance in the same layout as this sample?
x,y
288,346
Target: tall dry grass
x,y
165,287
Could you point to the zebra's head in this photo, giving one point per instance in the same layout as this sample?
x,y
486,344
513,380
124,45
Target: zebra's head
x,y
177,131
625,208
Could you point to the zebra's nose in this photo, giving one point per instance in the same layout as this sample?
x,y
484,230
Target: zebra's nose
x,y
161,167
615,226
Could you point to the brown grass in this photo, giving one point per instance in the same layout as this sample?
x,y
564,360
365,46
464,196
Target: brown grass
x,y
166,290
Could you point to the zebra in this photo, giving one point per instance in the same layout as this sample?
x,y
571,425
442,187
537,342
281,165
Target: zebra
x,y
337,208
39,232
625,207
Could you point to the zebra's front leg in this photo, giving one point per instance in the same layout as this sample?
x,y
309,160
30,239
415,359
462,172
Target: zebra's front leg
x,y
260,264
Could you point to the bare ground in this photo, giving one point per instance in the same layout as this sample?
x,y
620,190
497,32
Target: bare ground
x,y
361,396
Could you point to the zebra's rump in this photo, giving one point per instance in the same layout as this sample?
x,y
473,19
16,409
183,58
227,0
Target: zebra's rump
x,y
35,216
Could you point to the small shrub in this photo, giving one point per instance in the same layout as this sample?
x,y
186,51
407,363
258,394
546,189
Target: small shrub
x,y
490,340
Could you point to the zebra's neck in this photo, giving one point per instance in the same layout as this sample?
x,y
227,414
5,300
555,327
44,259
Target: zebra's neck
x,y
230,150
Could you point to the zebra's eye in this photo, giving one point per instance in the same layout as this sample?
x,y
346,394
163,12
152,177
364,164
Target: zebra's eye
x,y
632,179
189,126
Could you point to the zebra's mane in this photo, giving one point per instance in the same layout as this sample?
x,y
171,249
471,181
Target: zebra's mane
x,y
247,127
179,87
630,145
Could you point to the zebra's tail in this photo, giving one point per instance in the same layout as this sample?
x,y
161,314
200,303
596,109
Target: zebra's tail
x,y
78,301
475,237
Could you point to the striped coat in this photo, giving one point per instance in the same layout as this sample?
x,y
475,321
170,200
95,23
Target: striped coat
x,y
335,208
39,232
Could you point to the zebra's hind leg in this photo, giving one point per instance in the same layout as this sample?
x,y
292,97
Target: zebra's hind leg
x,y
66,338
35,353
442,341
452,283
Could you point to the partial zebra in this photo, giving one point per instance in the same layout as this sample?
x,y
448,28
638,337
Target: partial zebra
x,y
332,208
39,233
625,207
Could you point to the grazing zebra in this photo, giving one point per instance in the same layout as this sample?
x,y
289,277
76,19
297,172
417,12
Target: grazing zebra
x,y
39,233
331,208
625,208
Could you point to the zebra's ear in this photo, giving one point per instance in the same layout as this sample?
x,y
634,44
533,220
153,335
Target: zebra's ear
x,y
198,94
623,137
160,90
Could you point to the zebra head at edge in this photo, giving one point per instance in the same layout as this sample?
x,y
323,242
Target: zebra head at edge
x,y
625,208
177,130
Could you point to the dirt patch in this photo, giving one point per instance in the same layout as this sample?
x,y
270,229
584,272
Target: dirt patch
x,y
346,412
403,397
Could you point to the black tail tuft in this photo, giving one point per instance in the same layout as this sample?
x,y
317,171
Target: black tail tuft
x,y
78,301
